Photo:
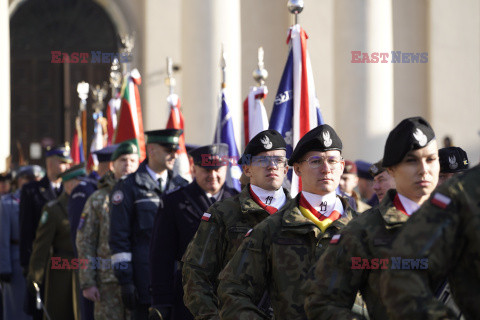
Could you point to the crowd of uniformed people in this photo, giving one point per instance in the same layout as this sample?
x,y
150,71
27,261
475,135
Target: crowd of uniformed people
x,y
397,239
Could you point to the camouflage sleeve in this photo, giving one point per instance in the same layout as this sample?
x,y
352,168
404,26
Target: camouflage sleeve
x,y
87,241
431,233
41,245
202,263
243,281
332,292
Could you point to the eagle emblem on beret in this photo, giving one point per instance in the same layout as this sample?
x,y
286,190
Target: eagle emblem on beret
x,y
452,162
267,144
374,169
327,142
420,137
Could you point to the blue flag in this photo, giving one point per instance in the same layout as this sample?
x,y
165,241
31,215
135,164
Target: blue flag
x,y
224,133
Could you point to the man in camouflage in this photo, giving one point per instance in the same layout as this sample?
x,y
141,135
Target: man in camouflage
x,y
356,256
277,255
98,283
348,183
53,235
225,223
445,231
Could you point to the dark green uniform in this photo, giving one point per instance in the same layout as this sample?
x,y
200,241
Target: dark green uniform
x,y
446,231
61,283
214,244
275,257
353,264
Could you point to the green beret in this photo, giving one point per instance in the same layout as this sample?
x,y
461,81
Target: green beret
x,y
126,147
73,172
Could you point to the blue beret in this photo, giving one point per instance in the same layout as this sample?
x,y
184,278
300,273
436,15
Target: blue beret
x,y
105,154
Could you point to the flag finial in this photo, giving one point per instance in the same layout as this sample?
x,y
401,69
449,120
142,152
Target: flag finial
x,y
170,80
82,90
223,65
295,7
127,45
260,74
115,77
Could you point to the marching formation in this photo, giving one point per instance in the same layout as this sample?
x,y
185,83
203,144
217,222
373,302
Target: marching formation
x,y
149,227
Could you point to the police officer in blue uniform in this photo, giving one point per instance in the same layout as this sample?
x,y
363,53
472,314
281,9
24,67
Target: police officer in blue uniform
x,y
134,204
33,197
176,223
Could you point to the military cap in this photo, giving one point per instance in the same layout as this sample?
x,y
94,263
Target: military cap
x,y
61,151
189,147
105,154
453,159
410,134
350,167
6,176
210,156
29,171
321,138
73,172
376,168
363,168
266,140
125,147
166,137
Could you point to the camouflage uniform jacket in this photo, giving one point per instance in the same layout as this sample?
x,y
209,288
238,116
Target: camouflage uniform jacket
x,y
340,274
214,244
446,231
92,236
276,256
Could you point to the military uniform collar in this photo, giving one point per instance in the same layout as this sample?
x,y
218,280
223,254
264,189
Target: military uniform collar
x,y
390,214
292,217
143,178
247,204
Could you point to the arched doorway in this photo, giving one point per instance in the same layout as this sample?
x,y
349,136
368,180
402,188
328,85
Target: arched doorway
x,y
44,98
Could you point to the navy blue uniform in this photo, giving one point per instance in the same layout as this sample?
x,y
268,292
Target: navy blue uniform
x,y
177,221
32,199
76,202
134,204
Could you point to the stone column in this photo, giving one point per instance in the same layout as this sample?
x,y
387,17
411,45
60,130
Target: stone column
x,y
4,85
206,25
363,91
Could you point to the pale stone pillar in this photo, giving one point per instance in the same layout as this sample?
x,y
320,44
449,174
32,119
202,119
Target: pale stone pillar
x,y
162,40
454,73
363,91
206,25
4,85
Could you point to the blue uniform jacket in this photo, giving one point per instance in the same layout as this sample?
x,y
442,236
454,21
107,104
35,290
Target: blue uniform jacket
x,y
134,204
9,231
33,197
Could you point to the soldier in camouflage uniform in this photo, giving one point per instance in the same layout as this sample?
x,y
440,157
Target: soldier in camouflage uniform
x,y
446,232
356,257
277,255
98,282
53,234
225,223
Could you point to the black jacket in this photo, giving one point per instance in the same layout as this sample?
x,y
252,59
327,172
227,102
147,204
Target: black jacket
x,y
176,223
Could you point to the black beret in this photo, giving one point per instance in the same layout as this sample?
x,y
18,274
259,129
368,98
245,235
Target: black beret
x,y
6,176
321,138
211,156
166,137
105,154
376,168
410,134
452,159
266,140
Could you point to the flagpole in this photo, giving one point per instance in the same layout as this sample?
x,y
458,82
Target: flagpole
x,y
82,90
115,77
170,80
295,7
